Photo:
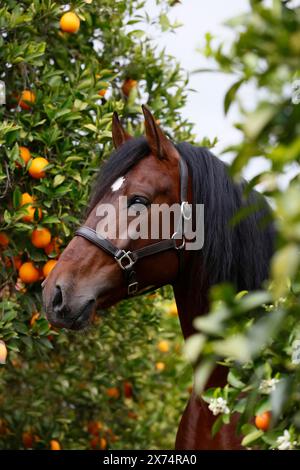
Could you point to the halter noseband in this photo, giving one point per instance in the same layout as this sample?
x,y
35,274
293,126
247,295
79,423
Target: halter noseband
x,y
127,259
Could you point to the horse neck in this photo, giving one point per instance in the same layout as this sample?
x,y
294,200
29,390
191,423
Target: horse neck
x,y
192,303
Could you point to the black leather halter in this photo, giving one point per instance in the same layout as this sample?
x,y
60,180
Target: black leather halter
x,y
128,259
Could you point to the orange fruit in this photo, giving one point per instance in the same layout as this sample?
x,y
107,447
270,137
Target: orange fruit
x,y
3,352
102,443
27,199
40,237
98,443
4,240
172,310
69,22
160,366
163,346
128,389
47,268
263,421
25,154
34,318
27,440
113,392
55,445
27,99
29,273
53,246
102,92
94,427
128,85
37,166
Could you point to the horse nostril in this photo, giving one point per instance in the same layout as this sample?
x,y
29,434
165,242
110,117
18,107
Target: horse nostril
x,y
57,302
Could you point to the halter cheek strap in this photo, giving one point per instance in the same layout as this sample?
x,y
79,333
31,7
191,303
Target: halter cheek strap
x,y
127,259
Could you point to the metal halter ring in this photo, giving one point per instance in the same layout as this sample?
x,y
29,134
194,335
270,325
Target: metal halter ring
x,y
183,241
125,261
186,210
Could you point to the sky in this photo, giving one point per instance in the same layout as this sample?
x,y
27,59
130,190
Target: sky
x,y
205,106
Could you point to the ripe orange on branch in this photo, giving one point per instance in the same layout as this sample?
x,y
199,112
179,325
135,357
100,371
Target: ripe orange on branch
x,y
98,443
163,346
27,440
47,268
25,154
4,240
3,352
55,445
69,22
36,169
29,216
40,237
263,421
113,392
102,92
29,273
94,427
27,99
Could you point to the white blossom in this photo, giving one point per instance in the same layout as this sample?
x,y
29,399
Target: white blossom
x,y
267,386
218,405
284,441
294,4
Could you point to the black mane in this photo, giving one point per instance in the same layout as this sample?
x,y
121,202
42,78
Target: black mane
x,y
238,253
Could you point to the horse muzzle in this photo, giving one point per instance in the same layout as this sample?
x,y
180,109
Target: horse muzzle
x,y
66,311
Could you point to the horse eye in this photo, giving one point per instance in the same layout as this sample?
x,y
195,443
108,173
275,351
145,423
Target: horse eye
x,y
138,200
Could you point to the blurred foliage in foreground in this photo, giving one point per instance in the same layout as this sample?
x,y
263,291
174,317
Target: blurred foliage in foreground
x,y
258,334
116,386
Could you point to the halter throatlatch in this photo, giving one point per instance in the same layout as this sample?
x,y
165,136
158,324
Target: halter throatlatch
x,y
127,259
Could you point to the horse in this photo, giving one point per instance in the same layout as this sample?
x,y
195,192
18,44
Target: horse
x,y
95,271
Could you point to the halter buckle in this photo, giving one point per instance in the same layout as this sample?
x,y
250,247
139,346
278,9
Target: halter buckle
x,y
125,261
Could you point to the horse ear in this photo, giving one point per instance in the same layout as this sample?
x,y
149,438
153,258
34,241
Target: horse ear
x,y
119,135
159,143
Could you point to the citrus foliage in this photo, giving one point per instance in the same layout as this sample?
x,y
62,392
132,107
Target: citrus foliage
x,y
55,129
257,334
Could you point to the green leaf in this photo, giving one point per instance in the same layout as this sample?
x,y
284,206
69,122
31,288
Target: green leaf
x,y
233,379
193,347
217,425
51,219
230,95
258,119
58,179
253,436
17,198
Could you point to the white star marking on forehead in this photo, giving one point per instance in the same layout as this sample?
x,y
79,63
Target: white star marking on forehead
x,y
118,183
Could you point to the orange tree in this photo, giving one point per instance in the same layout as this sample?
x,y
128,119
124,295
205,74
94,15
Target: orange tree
x,y
62,76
